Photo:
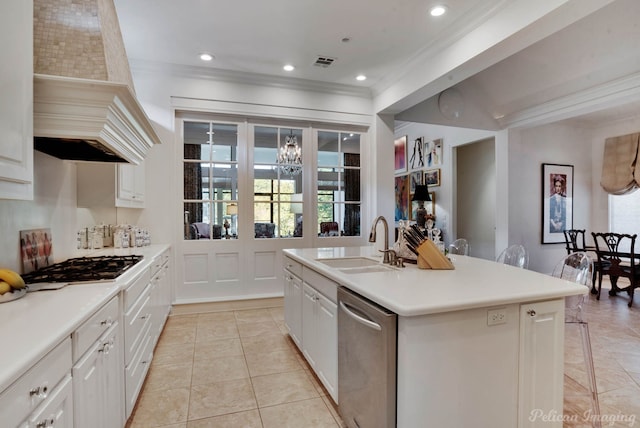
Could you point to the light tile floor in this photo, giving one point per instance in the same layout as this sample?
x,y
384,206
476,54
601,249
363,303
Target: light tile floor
x,y
240,369
231,369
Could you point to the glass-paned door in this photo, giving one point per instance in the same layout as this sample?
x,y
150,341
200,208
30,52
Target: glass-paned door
x,y
277,182
210,180
338,184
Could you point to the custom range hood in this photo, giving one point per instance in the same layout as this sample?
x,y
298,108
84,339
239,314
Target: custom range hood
x,y
85,108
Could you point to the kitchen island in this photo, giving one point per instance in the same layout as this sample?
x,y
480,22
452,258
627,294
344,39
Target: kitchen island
x,y
481,345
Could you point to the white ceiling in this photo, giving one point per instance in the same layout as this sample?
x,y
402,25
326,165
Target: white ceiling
x,y
259,37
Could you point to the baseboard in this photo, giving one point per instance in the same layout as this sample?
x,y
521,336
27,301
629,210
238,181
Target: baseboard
x,y
231,305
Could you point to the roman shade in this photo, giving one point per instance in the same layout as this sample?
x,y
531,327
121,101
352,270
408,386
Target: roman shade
x,y
619,172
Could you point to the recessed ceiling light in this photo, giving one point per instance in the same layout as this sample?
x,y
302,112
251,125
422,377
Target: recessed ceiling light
x,y
438,10
361,77
289,67
206,57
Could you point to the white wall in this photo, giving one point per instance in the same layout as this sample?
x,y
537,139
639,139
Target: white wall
x,y
528,150
161,94
54,207
451,137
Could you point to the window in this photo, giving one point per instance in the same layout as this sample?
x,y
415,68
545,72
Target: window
x,y
210,180
276,185
624,212
234,170
338,184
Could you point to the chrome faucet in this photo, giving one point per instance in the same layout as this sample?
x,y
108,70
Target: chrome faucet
x,y
372,237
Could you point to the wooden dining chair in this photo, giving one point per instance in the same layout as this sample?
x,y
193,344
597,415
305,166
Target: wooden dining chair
x,y
617,258
574,241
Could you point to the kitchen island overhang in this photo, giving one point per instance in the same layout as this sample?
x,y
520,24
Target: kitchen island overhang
x,y
409,291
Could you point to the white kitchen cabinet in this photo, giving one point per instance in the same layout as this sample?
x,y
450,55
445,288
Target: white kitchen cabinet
x,y
311,316
97,380
137,337
293,300
310,342
146,302
130,186
541,362
109,185
16,102
36,394
160,293
320,334
98,387
327,319
57,410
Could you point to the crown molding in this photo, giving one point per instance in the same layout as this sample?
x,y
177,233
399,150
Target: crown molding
x,y
247,78
607,95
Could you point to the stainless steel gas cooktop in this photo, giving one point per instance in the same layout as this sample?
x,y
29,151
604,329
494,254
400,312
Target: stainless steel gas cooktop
x,y
83,269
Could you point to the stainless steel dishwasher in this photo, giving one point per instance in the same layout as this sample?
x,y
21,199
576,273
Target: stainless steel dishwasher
x,y
367,343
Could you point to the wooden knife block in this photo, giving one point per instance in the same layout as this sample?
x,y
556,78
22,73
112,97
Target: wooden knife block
x,y
430,257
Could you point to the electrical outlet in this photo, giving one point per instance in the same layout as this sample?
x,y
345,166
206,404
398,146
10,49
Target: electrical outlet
x,y
496,316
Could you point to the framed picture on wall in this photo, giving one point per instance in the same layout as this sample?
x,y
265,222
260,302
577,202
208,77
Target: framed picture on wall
x,y
402,197
400,147
436,152
415,179
432,177
430,206
416,154
557,202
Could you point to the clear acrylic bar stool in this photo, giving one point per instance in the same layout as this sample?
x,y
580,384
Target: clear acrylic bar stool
x,y
459,246
514,255
578,267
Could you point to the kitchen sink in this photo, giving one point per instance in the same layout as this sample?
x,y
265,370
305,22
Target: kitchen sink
x,y
349,262
353,265
368,269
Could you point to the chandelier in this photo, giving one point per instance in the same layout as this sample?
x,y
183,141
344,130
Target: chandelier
x,y
290,156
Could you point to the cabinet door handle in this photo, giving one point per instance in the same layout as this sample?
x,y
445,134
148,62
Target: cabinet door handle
x,y
531,313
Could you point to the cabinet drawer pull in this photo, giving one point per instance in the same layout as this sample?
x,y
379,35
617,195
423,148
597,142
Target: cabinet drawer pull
x,y
108,322
531,313
46,423
39,391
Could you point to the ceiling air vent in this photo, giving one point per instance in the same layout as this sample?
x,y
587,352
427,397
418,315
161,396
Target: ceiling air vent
x,y
324,61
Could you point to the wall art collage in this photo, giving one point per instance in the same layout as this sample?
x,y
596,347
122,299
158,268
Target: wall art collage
x,y
417,162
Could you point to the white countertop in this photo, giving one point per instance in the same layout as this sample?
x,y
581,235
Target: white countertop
x,y
35,323
410,291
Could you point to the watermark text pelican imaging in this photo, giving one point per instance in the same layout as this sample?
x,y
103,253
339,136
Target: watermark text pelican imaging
x,y
588,416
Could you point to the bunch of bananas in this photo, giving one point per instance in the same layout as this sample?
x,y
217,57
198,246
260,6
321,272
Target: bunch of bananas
x,y
10,281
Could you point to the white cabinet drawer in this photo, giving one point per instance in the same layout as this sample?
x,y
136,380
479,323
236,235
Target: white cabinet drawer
x,y
136,371
135,321
322,284
293,266
94,327
158,261
32,388
57,410
132,292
